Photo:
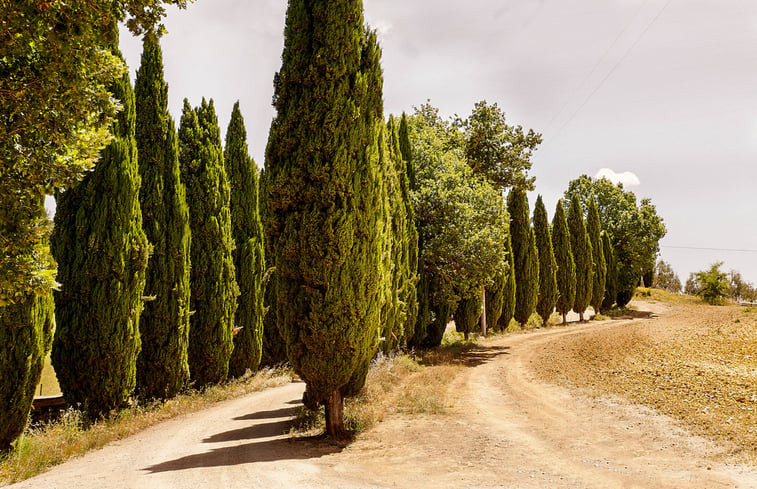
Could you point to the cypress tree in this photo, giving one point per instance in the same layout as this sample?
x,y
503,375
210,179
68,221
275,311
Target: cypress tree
x,y
566,268
326,190
274,348
582,257
547,264
495,295
102,255
524,254
594,230
28,326
406,151
611,277
212,279
162,368
249,259
508,292
467,315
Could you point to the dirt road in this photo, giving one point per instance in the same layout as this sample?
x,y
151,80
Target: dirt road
x,y
503,429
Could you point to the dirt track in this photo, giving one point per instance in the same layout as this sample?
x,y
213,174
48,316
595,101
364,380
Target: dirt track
x,y
504,429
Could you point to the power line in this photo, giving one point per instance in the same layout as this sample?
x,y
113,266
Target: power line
x,y
708,249
612,70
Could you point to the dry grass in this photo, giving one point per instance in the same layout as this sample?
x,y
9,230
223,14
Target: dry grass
x,y
696,363
48,383
70,436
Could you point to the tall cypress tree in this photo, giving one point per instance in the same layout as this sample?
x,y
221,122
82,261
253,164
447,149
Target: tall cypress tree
x,y
495,295
162,368
611,277
28,326
102,255
524,254
467,315
582,256
594,230
547,264
406,151
326,188
212,280
508,292
566,268
249,259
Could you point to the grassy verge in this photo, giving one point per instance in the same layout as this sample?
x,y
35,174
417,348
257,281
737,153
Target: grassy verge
x,y
399,383
46,445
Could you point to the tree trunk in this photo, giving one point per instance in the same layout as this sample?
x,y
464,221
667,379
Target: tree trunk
x,y
580,317
335,416
564,319
483,311
465,335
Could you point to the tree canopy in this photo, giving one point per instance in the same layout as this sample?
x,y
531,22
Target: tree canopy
x,y
634,228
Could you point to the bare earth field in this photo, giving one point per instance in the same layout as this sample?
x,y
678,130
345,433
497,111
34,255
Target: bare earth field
x,y
616,404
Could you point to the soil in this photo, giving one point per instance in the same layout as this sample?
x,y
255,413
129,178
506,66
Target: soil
x,y
534,410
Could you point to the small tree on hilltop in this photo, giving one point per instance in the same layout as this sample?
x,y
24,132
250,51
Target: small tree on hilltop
x,y
713,284
665,278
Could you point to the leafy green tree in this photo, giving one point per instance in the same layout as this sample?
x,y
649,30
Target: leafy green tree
x,y
496,150
611,278
713,284
582,257
249,259
102,255
508,292
467,315
599,265
524,254
28,326
547,264
740,290
566,268
665,278
461,222
325,195
162,368
55,115
635,229
213,285
495,295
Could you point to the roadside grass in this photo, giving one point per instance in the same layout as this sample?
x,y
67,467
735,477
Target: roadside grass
x,y
400,383
47,444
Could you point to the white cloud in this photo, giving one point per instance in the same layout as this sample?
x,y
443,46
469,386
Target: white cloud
x,y
627,178
382,26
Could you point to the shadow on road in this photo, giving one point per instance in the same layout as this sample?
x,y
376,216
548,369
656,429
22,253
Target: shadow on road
x,y
263,430
467,354
264,451
276,413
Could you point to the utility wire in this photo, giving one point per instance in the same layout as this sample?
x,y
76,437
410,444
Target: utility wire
x,y
708,249
613,69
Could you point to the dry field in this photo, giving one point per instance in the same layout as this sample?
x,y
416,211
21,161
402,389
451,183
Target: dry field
x,y
696,363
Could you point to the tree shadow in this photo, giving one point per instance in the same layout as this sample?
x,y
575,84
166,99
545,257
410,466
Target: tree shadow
x,y
262,430
264,451
466,354
276,413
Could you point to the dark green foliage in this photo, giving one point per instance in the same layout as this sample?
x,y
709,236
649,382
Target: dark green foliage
x,y
611,277
566,268
594,230
213,285
400,309
524,255
325,185
249,260
162,368
508,292
102,255
425,315
467,315
28,326
497,151
582,257
440,316
547,265
635,229
495,296
407,153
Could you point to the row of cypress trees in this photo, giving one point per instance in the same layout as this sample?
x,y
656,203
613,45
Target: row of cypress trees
x,y
150,246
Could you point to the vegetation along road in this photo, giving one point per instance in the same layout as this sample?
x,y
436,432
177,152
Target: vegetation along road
x,y
529,410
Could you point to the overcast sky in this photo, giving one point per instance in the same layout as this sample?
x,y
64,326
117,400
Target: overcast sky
x,y
662,93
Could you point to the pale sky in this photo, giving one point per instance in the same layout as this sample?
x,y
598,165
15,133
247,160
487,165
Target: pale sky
x,y
662,93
